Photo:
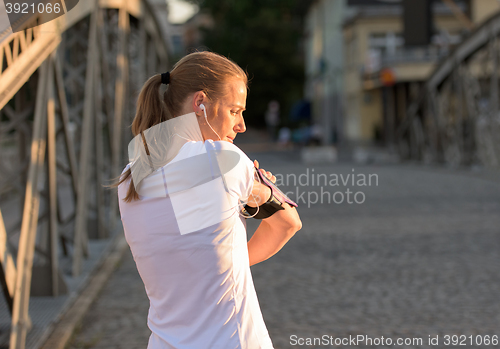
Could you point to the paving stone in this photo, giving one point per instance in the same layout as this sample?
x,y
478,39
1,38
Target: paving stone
x,y
419,257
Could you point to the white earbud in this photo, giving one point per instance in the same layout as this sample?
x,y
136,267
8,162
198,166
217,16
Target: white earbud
x,y
202,107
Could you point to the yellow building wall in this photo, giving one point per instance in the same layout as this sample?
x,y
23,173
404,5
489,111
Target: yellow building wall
x,y
413,71
364,109
482,9
352,116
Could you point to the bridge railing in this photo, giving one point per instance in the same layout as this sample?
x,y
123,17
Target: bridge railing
x,y
67,97
456,118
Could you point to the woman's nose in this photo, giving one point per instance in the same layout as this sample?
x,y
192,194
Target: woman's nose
x,y
240,126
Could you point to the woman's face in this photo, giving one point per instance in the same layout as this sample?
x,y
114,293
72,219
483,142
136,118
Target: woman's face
x,y
226,116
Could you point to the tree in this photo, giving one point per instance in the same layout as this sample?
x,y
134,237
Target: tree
x,y
264,38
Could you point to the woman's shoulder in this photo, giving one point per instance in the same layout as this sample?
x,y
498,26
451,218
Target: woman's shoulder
x,y
200,147
227,149
230,156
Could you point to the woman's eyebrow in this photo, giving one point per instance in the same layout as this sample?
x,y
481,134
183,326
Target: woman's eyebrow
x,y
238,106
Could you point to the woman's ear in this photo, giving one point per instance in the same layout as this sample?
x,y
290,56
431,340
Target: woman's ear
x,y
199,98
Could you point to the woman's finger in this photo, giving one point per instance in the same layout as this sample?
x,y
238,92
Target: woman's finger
x,y
256,163
268,174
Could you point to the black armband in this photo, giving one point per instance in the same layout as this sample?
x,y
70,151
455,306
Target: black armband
x,y
266,210
271,206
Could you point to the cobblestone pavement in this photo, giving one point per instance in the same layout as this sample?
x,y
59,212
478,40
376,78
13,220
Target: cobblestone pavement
x,y
419,257
117,319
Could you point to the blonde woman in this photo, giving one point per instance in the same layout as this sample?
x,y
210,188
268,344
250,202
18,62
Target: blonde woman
x,y
181,201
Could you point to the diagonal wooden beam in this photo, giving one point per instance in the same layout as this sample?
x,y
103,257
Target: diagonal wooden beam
x,y
459,14
7,267
70,149
29,35
15,52
15,75
20,317
8,55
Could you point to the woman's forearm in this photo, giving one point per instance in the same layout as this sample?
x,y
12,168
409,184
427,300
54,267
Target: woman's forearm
x,y
260,194
273,233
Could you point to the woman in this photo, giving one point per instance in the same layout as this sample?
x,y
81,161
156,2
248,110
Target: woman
x,y
181,199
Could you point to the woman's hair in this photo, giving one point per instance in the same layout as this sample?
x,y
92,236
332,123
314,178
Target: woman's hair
x,y
198,71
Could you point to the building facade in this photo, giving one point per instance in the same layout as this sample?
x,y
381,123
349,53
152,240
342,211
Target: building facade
x,y
360,74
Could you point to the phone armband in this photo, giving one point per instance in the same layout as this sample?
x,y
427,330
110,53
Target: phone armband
x,y
271,206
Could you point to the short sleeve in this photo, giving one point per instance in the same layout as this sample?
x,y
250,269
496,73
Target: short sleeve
x,y
237,169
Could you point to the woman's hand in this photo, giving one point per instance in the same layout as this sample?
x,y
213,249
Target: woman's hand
x,y
260,192
268,174
275,231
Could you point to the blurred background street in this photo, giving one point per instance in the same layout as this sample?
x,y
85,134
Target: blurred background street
x,y
419,257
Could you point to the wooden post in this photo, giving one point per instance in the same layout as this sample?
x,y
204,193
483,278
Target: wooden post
x,y
494,78
143,40
51,164
7,267
99,147
494,106
20,317
70,149
103,45
120,99
80,239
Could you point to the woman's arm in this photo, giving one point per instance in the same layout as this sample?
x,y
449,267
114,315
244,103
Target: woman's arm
x,y
273,232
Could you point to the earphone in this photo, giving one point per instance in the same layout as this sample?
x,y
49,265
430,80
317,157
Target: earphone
x,y
202,107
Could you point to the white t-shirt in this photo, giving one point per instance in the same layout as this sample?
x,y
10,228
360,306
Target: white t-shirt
x,y
190,247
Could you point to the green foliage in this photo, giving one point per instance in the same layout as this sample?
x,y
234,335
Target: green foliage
x,y
264,38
